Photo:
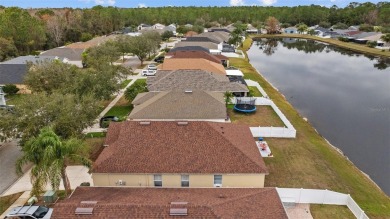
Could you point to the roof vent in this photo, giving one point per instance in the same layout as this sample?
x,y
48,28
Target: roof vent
x,y
83,211
144,123
178,209
182,123
88,202
188,91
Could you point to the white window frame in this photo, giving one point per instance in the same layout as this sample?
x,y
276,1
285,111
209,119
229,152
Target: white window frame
x,y
157,178
219,182
185,179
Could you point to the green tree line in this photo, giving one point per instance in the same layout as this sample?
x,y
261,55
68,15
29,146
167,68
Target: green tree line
x,y
37,29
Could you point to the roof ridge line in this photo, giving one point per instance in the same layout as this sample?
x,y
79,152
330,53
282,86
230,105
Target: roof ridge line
x,y
150,101
234,146
238,198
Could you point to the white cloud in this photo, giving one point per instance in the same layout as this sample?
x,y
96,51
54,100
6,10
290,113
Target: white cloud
x,y
100,2
142,5
111,2
237,2
268,2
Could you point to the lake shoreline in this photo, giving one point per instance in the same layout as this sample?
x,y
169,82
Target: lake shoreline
x,y
346,45
330,144
344,176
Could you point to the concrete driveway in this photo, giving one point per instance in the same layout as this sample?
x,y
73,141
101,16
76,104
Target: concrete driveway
x,y
9,153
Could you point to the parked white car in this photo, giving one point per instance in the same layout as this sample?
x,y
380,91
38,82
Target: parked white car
x,y
152,67
148,72
32,211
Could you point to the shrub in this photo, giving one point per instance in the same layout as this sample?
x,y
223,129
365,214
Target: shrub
x,y
165,50
85,37
343,39
371,44
139,86
10,89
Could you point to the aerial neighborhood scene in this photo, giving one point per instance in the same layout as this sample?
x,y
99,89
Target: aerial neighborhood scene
x,y
271,109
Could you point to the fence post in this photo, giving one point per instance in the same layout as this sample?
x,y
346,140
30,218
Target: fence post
x,y
323,197
300,194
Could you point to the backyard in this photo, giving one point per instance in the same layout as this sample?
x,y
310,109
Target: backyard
x,y
264,116
308,161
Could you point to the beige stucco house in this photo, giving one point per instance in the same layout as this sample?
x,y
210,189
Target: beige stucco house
x,y
179,154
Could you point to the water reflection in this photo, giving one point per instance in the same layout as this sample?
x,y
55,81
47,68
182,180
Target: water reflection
x,y
269,47
345,95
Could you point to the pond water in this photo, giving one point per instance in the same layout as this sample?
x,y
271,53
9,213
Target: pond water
x,y
344,95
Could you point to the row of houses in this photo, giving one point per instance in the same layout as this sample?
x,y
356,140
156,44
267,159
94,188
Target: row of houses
x,y
178,155
352,34
13,71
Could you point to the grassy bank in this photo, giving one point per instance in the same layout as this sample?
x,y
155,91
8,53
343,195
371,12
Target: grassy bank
x,y
308,161
347,45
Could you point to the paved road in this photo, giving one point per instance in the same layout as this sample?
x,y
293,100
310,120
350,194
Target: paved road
x,y
132,61
9,153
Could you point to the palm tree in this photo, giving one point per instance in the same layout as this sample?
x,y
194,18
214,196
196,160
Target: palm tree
x,y
228,97
49,156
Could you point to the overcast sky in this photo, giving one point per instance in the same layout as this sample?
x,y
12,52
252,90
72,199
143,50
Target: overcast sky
x,y
159,3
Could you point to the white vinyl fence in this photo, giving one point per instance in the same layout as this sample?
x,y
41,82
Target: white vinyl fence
x,y
318,196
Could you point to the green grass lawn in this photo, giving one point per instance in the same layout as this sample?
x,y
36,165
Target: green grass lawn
x,y
125,83
308,161
254,92
95,135
331,212
264,116
121,109
7,201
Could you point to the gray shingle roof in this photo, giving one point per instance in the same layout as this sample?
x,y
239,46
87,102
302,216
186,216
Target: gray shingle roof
x,y
34,59
179,105
69,53
12,73
207,45
189,48
192,80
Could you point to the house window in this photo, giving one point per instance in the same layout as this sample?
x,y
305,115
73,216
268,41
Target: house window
x,y
185,181
157,180
217,180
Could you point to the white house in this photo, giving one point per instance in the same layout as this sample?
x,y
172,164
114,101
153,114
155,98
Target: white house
x,y
144,27
158,26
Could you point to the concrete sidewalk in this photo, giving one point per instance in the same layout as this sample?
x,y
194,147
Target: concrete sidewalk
x,y
96,126
76,175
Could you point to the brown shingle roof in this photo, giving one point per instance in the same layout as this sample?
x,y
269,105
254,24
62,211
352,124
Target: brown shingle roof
x,y
122,202
192,80
195,54
179,105
168,147
193,63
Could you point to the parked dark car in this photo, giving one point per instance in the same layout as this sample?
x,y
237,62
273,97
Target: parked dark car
x,y
159,59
